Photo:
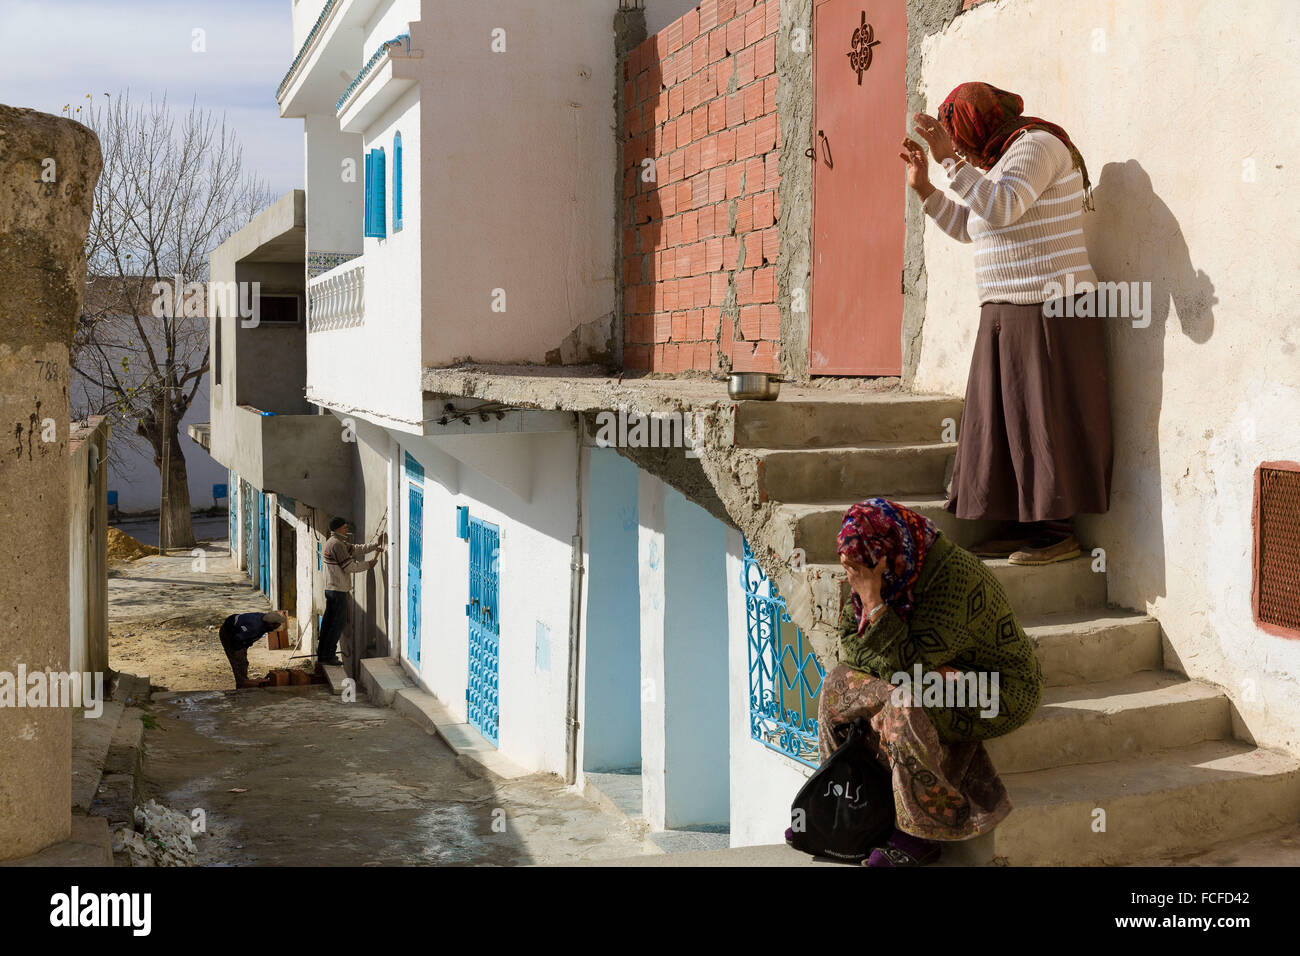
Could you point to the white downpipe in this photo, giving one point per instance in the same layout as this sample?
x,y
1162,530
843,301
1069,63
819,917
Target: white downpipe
x,y
575,627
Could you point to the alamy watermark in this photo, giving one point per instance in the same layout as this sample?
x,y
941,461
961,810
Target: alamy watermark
x,y
1115,300
632,429
947,689
46,688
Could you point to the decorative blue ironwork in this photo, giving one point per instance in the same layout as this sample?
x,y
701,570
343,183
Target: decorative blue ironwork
x,y
263,544
785,677
482,701
399,40
414,470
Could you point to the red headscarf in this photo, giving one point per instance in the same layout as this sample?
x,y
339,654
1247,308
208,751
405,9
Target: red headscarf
x,y
983,120
879,529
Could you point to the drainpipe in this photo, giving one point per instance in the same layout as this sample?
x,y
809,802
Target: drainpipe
x,y
575,626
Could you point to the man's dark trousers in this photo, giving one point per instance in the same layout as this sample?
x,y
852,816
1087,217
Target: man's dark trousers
x,y
336,616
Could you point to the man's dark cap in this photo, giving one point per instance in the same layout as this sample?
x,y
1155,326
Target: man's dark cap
x,y
336,523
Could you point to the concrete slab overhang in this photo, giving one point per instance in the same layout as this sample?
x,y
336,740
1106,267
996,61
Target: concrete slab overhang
x,y
276,234
303,456
328,59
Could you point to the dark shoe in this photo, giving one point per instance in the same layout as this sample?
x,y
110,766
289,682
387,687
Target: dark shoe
x,y
329,661
1047,548
903,849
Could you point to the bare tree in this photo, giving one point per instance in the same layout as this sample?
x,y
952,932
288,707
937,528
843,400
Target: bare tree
x,y
170,193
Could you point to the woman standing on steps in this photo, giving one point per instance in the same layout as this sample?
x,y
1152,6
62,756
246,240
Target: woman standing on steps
x,y
924,612
1035,443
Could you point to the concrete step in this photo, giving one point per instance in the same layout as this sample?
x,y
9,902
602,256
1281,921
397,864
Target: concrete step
x,y
1164,803
1050,588
1034,592
1096,644
888,417
1109,720
816,526
853,472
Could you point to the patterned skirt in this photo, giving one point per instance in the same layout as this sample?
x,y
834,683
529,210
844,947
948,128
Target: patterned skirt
x,y
941,791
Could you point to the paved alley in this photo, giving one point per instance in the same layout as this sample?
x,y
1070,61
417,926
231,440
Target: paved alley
x,y
296,777
320,782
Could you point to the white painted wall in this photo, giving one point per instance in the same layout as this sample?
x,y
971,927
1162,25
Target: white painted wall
x,y
685,700
536,542
763,782
525,201
374,369
1170,132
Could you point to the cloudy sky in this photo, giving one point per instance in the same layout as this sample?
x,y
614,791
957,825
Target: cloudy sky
x,y
54,52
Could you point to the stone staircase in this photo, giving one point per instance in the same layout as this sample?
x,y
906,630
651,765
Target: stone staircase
x,y
1124,760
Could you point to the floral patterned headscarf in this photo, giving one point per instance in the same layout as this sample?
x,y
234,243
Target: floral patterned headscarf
x,y
879,529
982,120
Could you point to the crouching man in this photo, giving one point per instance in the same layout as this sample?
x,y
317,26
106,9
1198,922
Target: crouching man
x,y
238,633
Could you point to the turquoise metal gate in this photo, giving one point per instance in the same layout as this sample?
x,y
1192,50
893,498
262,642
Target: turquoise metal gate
x,y
414,556
483,611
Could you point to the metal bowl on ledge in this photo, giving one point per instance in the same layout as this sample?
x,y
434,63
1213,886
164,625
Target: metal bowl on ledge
x,y
753,386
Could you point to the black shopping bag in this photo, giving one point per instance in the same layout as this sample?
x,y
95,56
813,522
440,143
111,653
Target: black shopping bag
x,y
847,806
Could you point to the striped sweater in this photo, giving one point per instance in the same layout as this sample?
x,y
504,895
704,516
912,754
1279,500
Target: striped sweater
x,y
1025,216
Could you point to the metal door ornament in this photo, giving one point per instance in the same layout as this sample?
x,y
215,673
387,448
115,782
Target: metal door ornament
x,y
864,38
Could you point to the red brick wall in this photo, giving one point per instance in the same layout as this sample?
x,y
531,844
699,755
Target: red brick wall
x,y
700,101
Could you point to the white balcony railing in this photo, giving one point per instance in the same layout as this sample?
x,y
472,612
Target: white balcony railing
x,y
337,299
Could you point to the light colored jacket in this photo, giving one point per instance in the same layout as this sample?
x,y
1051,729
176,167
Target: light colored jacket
x,y
342,560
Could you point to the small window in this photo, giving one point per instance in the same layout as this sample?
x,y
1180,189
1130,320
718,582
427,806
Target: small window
x,y
1275,588
278,309
216,348
397,182
375,225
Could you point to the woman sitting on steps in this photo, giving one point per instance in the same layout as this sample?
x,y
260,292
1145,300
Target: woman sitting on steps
x,y
920,606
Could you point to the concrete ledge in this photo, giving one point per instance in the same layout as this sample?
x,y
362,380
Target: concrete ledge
x,y
88,845
382,678
464,740
334,676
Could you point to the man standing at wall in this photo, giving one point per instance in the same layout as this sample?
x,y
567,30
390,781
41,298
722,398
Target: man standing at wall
x,y
342,560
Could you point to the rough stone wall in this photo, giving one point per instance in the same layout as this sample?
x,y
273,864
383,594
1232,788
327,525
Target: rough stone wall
x,y
699,205
48,170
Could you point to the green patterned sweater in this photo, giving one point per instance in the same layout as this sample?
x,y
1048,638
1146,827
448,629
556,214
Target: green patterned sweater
x,y
961,619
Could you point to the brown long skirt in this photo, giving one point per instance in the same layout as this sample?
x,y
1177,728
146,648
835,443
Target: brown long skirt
x,y
1035,441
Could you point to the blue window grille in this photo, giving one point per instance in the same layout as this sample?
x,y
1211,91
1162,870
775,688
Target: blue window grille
x,y
785,677
374,212
318,555
397,182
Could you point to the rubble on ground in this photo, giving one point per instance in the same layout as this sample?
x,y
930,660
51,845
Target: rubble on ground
x,y
161,838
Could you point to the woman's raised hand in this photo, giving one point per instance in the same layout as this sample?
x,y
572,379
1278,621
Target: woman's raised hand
x,y
935,136
918,168
866,582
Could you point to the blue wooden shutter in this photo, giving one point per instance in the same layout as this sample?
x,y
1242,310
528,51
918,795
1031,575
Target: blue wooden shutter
x,y
376,216
397,182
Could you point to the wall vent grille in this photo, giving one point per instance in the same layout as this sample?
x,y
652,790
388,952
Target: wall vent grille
x,y
1275,594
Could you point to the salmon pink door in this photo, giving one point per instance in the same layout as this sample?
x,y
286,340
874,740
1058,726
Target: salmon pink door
x,y
859,199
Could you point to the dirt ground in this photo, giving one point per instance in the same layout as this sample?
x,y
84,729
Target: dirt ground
x,y
164,613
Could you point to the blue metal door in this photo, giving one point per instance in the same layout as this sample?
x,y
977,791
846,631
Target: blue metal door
x,y
263,545
483,611
232,502
414,560
246,513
